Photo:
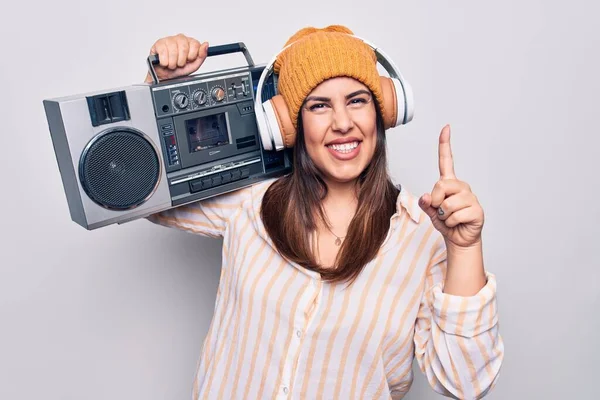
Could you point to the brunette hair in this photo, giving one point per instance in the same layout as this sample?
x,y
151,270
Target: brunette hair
x,y
291,205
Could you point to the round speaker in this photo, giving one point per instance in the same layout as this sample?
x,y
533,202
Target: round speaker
x,y
119,168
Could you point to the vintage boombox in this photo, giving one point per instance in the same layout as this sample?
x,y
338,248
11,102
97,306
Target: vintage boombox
x,y
128,152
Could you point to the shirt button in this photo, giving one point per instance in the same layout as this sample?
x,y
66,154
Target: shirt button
x,y
298,333
285,390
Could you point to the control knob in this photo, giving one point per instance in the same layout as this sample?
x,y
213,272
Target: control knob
x,y
200,97
218,93
180,100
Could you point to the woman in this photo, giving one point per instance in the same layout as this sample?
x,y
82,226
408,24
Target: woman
x,y
333,280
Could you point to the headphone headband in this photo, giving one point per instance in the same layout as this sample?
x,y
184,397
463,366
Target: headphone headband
x,y
382,58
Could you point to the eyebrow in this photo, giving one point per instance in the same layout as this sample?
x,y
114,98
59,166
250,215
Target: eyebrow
x,y
348,96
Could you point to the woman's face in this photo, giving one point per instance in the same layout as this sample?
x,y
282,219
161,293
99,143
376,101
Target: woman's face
x,y
340,128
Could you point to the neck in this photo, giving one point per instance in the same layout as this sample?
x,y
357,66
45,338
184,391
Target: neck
x,y
339,206
341,194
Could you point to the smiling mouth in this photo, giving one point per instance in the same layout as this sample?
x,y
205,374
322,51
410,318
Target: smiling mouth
x,y
344,148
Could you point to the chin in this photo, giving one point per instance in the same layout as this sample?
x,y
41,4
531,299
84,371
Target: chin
x,y
342,176
336,170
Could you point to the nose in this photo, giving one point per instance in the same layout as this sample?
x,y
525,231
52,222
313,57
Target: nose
x,y
342,120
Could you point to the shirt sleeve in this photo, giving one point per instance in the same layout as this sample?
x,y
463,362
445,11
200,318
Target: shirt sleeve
x,y
457,342
206,217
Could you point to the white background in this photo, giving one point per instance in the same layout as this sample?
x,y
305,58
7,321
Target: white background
x,y
121,312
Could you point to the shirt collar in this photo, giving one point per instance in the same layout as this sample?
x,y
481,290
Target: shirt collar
x,y
410,203
406,200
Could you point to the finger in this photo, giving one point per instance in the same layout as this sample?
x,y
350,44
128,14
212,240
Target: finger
x,y
172,46
454,204
425,204
445,155
462,216
191,67
194,48
163,53
203,53
183,48
445,188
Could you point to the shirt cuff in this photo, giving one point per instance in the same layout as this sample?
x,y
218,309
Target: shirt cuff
x,y
466,315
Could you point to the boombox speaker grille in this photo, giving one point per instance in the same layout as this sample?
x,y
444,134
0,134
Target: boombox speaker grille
x,y
119,169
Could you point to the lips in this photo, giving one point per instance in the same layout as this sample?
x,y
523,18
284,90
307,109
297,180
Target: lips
x,y
345,151
342,140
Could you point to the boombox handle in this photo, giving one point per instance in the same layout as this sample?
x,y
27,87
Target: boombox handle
x,y
212,51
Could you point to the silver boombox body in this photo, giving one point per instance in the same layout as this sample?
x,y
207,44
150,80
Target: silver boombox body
x,y
129,152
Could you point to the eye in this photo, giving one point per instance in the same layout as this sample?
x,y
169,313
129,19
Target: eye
x,y
358,101
317,106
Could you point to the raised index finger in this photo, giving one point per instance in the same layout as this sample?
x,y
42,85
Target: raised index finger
x,y
445,154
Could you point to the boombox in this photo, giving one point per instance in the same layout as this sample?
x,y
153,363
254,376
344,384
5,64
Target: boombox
x,y
131,151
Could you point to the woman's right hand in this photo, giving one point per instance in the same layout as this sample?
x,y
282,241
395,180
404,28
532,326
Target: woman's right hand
x,y
178,55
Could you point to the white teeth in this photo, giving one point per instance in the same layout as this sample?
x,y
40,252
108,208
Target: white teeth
x,y
344,148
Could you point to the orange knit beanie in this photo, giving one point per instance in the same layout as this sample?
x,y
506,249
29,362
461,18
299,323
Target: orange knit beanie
x,y
319,54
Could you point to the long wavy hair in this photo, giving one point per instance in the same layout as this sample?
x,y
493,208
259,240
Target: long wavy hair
x,y
293,204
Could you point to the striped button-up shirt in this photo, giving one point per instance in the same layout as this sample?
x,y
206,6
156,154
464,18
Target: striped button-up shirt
x,y
280,332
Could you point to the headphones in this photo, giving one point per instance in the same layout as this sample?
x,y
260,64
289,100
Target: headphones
x,y
273,119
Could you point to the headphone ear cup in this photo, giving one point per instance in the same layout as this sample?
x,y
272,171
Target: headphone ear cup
x,y
390,102
278,117
399,102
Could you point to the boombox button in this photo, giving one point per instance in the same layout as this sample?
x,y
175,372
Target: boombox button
x,y
195,186
236,174
226,177
206,183
216,180
245,172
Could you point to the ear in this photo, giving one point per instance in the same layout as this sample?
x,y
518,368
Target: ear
x,y
390,102
282,114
